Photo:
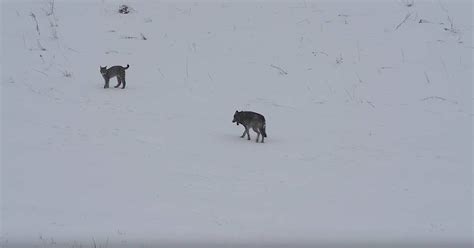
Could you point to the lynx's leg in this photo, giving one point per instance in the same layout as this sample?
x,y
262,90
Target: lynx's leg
x,y
123,82
118,82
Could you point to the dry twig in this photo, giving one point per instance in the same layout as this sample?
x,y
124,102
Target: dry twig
x,y
404,20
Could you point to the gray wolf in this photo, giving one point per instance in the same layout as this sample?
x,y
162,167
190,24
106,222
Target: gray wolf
x,y
114,71
253,120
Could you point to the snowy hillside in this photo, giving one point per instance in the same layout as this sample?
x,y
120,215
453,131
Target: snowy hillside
x,y
368,107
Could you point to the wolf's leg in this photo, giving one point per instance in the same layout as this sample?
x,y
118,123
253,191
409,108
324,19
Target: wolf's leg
x,y
243,135
257,131
261,131
106,85
248,134
118,82
258,136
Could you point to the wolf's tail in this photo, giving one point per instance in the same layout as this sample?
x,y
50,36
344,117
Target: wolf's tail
x,y
264,133
127,67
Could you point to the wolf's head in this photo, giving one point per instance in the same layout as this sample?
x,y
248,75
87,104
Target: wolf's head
x,y
236,117
103,71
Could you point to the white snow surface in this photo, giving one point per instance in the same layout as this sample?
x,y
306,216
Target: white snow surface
x,y
368,107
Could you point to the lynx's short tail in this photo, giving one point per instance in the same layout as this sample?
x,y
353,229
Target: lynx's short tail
x,y
264,133
127,67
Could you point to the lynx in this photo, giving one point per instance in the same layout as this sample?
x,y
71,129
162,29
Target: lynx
x,y
114,71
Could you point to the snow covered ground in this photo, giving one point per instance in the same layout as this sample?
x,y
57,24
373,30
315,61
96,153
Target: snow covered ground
x,y
368,107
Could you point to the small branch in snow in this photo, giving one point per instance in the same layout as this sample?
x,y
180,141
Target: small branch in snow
x,y
434,97
358,77
143,36
129,37
304,20
42,72
24,41
444,66
349,95
379,69
71,49
163,76
358,51
438,98
280,70
451,22
187,72
36,21
404,20
54,31
427,78
316,53
442,7
370,103
40,47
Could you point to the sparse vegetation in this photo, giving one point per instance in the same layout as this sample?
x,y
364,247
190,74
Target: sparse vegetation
x,y
339,59
124,9
409,3
67,74
380,70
